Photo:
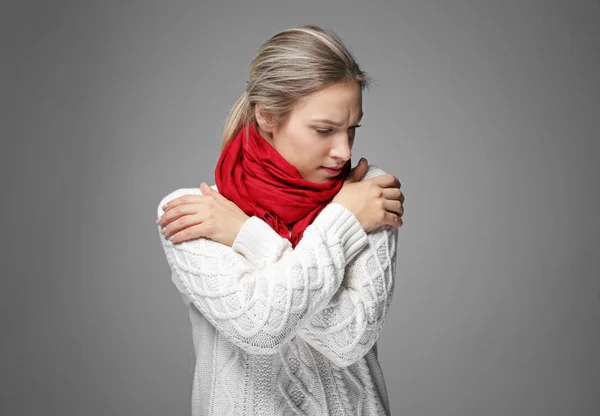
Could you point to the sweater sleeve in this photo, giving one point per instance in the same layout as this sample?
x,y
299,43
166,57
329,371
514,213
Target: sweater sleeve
x,y
348,327
259,308
350,324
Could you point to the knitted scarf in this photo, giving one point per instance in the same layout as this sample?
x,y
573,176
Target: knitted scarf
x,y
253,175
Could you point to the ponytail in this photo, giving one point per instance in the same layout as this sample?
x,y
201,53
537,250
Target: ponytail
x,y
239,116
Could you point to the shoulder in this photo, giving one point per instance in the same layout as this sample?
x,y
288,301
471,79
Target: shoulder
x,y
372,171
176,194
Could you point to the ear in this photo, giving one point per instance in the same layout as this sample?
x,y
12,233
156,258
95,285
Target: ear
x,y
264,119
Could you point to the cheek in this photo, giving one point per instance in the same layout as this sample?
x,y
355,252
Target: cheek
x,y
311,150
314,155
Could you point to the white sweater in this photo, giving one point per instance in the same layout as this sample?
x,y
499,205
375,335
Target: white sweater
x,y
282,331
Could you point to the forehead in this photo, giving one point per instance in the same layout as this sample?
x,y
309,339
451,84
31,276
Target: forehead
x,y
339,101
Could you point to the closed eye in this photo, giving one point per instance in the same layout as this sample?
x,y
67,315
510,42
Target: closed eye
x,y
327,131
323,131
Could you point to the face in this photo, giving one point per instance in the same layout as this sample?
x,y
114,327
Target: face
x,y
319,132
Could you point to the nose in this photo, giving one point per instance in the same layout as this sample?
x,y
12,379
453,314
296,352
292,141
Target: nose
x,y
342,147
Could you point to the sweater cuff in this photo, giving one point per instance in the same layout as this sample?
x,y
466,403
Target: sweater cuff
x,y
340,222
258,242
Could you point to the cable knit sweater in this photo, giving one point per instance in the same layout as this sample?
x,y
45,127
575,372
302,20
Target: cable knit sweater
x,y
282,331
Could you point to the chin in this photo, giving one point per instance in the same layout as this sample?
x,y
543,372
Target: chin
x,y
313,179
321,180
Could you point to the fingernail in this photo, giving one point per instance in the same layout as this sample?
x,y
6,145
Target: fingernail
x,y
362,159
157,220
164,207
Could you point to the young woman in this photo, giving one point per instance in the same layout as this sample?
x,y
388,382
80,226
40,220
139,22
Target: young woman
x,y
287,265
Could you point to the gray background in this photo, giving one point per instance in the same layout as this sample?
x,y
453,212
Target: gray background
x,y
487,111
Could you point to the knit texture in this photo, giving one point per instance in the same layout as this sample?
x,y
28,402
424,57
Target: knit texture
x,y
282,331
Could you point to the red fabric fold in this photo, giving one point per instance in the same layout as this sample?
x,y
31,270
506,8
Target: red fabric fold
x,y
253,175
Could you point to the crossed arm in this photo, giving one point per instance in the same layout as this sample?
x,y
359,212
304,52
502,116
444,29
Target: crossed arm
x,y
333,290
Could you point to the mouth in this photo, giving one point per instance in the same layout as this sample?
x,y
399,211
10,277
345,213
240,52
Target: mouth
x,y
332,171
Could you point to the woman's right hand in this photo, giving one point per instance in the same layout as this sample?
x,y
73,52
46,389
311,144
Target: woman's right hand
x,y
375,202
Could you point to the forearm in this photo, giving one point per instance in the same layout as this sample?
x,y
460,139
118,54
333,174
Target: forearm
x,y
360,305
349,325
259,308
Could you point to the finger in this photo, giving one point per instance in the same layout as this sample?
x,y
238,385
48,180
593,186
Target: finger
x,y
209,191
177,212
393,220
206,190
392,193
191,233
184,199
358,172
394,207
181,224
361,168
386,181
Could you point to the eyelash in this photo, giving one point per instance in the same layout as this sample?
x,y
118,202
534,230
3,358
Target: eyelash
x,y
327,131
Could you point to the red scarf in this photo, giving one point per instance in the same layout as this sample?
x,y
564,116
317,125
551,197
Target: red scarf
x,y
253,175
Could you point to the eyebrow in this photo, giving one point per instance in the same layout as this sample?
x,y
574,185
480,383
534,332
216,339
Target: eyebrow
x,y
333,123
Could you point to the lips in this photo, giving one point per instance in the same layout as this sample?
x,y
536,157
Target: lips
x,y
332,171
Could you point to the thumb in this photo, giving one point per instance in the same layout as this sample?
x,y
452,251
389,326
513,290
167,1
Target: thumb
x,y
357,173
205,189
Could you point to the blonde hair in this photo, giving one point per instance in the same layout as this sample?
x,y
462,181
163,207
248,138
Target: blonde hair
x,y
289,66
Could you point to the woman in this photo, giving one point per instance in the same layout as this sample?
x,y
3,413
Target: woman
x,y
288,270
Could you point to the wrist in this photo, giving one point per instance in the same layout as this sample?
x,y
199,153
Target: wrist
x,y
237,227
259,243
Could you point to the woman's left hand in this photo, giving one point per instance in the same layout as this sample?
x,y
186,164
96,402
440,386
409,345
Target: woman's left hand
x,y
209,215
